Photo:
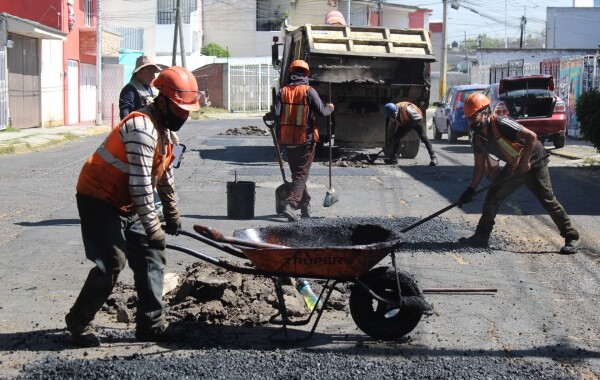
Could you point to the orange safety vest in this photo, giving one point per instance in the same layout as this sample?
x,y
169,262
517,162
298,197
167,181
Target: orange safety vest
x,y
511,150
105,174
404,116
294,116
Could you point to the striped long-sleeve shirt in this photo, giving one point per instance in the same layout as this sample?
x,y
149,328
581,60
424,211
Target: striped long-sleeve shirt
x,y
142,139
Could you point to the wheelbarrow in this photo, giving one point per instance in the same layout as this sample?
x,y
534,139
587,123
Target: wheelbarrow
x,y
385,303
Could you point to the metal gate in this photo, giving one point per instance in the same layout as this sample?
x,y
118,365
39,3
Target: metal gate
x,y
73,91
250,86
3,90
590,78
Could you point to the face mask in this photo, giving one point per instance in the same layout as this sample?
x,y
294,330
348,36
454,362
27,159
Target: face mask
x,y
173,122
477,126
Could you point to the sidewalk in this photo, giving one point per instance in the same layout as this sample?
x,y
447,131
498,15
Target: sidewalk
x,y
26,140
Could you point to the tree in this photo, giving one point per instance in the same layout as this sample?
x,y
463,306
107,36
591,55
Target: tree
x,y
588,114
214,49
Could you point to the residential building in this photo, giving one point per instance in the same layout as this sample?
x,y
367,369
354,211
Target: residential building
x,y
51,62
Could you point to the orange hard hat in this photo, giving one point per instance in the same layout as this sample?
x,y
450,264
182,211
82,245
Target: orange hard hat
x,y
178,84
475,103
300,65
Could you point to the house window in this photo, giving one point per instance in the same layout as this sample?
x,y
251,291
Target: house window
x,y
269,16
88,12
165,10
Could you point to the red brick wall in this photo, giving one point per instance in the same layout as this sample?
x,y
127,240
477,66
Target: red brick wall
x,y
210,78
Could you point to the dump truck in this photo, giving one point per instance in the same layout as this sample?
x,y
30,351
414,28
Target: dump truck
x,y
359,70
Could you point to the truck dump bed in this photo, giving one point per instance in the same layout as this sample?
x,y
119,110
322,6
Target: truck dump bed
x,y
360,69
369,41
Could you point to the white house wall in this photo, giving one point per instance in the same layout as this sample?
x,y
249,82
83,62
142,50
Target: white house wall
x,y
87,92
164,41
572,28
138,13
51,83
395,19
232,27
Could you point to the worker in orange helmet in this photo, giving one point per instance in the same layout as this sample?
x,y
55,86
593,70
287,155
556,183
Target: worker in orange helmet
x,y
296,106
509,141
119,223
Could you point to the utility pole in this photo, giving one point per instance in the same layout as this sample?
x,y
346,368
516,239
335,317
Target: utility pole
x,y
523,22
444,53
99,64
466,54
181,41
175,30
505,36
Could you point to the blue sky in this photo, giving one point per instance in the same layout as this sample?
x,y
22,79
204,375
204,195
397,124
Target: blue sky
x,y
491,17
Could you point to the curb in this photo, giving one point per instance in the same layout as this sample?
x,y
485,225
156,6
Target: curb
x,y
575,152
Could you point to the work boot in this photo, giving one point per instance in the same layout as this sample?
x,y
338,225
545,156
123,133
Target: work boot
x,y
391,161
434,161
305,211
476,241
82,335
165,333
571,245
290,213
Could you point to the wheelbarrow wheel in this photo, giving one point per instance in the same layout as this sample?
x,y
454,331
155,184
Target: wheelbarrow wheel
x,y
383,320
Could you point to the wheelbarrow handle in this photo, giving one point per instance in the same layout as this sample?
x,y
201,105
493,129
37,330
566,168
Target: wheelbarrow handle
x,y
216,235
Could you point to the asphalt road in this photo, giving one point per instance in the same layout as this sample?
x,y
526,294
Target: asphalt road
x,y
546,312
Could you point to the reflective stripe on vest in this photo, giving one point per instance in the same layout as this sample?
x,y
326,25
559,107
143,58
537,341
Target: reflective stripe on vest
x,y
105,175
510,150
112,160
294,114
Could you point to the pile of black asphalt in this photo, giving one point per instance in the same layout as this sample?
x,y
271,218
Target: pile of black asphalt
x,y
213,353
290,365
250,130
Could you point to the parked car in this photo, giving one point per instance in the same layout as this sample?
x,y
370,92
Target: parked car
x,y
449,115
530,100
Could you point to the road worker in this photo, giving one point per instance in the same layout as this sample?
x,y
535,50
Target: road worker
x,y
119,223
509,141
296,105
406,116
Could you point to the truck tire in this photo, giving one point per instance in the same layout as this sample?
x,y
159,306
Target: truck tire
x,y
559,140
410,148
437,135
451,135
371,315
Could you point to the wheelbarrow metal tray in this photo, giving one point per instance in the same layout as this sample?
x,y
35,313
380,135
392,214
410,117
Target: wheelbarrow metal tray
x,y
331,252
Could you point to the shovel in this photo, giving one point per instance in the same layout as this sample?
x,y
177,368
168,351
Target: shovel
x,y
282,191
458,203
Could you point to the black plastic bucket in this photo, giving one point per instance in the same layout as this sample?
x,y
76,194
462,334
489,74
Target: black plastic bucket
x,y
240,199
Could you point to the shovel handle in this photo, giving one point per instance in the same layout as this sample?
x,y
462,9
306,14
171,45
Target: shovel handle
x,y
216,235
512,175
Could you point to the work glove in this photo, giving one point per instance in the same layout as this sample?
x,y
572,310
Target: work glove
x,y
156,239
173,226
466,196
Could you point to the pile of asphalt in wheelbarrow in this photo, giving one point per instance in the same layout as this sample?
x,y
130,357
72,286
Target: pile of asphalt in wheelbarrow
x,y
211,295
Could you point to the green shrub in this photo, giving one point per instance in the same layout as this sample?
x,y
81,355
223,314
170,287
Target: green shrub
x,y
588,114
215,50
